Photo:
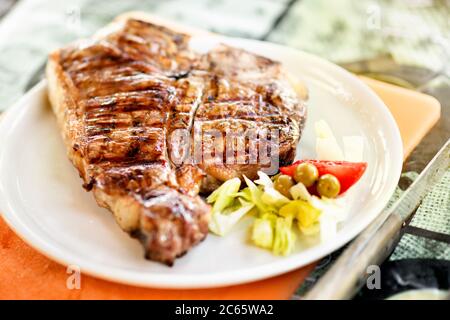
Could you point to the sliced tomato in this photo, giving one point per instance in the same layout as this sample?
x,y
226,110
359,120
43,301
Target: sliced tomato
x,y
348,173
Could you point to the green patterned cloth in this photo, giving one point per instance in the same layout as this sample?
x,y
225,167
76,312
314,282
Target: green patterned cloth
x,y
52,23
433,215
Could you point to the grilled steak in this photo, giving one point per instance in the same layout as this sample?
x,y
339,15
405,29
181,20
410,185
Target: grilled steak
x,y
121,97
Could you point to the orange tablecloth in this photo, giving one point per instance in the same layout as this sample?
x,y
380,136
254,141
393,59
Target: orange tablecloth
x,y
27,274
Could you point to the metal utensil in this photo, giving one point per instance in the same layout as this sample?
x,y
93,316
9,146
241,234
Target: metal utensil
x,y
386,69
376,242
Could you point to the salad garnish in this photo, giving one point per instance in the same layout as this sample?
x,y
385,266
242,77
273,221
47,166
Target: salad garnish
x,y
307,197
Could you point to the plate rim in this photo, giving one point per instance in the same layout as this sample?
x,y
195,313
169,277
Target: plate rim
x,y
170,281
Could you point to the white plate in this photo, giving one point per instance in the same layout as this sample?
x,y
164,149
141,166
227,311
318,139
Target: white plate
x,y
43,201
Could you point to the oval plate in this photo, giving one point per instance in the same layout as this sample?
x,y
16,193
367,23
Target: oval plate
x,y
43,201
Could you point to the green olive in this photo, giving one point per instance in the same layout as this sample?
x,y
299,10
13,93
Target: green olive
x,y
306,173
283,184
328,186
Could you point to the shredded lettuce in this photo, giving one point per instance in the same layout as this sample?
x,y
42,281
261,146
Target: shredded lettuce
x,y
223,196
272,197
254,191
284,241
264,180
335,208
333,212
304,212
275,214
244,194
272,217
307,215
311,230
222,222
299,192
263,233
256,195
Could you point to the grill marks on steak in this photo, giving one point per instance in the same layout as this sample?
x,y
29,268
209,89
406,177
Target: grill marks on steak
x,y
248,93
131,90
126,92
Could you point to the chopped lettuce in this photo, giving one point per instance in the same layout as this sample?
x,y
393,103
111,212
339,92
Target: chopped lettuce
x,y
304,212
307,215
275,214
272,217
256,194
272,197
264,180
244,194
228,207
275,233
222,222
311,230
284,241
263,233
223,196
289,210
333,212
299,192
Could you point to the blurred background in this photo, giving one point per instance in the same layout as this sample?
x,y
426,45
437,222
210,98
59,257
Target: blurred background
x,y
387,34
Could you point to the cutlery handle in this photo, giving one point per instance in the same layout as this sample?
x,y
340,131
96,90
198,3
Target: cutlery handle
x,y
347,274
